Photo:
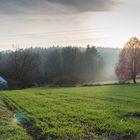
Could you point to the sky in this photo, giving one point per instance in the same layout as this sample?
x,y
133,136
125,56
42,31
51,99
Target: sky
x,y
106,23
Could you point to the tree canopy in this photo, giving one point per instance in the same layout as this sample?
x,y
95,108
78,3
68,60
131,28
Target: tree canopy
x,y
56,66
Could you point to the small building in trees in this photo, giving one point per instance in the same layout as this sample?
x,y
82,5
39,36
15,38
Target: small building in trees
x,y
3,83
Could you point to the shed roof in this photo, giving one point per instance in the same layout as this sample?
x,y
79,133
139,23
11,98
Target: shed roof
x,y
2,80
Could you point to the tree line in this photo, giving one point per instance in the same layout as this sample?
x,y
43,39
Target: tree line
x,y
24,68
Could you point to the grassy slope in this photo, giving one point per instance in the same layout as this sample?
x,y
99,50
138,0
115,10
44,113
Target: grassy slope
x,y
81,112
9,130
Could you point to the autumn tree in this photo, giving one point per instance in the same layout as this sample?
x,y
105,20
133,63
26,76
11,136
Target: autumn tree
x,y
128,67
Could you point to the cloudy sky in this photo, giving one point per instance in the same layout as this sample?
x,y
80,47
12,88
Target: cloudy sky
x,y
106,23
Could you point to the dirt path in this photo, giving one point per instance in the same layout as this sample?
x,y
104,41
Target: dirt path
x,y
9,129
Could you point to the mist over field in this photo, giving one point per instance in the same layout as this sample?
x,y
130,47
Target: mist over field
x,y
110,57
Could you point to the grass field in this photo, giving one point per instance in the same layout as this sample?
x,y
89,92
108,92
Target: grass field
x,y
102,112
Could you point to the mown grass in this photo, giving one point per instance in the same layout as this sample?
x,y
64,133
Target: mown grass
x,y
9,130
106,112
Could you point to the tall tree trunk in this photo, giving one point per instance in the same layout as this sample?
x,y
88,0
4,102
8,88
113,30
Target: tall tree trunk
x,y
134,79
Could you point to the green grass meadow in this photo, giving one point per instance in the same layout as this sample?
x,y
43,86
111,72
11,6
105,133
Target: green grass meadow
x,y
86,113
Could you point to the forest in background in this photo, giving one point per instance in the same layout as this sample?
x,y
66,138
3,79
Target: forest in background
x,y
58,66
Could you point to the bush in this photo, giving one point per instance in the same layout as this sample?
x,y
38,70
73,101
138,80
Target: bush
x,y
66,81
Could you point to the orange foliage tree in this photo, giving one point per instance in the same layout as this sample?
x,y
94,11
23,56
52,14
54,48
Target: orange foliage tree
x,y
128,67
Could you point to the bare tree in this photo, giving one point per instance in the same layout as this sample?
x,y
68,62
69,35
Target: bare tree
x,y
128,67
23,64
